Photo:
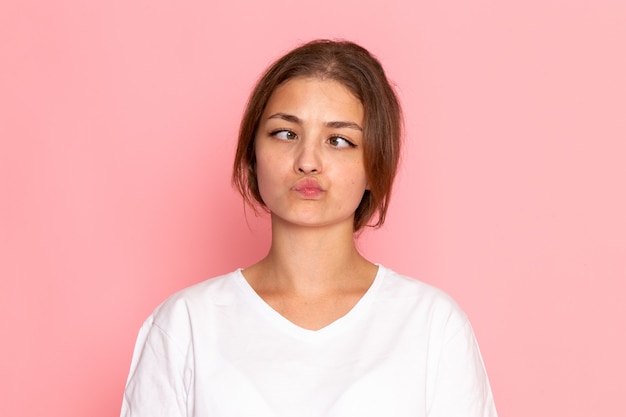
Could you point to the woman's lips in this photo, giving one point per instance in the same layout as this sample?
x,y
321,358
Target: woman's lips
x,y
308,188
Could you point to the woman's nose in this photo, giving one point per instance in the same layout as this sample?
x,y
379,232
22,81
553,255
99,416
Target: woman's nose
x,y
308,160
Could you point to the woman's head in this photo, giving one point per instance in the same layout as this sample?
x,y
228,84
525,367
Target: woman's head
x,y
356,69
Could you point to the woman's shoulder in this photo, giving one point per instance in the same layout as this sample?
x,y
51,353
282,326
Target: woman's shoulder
x,y
418,296
219,290
211,289
400,285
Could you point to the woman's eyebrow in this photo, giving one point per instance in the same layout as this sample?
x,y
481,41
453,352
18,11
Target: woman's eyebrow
x,y
286,117
344,125
336,125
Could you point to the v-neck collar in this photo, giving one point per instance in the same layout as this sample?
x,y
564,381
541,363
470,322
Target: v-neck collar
x,y
287,326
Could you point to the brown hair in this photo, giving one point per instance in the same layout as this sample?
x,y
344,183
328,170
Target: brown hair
x,y
362,74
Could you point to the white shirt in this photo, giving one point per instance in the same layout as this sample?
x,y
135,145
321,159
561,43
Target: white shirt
x,y
217,349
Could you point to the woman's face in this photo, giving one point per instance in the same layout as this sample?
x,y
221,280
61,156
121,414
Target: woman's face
x,y
309,153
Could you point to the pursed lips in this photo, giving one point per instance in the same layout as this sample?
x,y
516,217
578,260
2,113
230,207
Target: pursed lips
x,y
308,187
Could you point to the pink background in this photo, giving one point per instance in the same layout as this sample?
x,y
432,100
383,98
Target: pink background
x,y
118,122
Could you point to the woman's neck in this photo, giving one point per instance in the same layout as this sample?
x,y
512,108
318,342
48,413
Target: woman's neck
x,y
315,261
311,276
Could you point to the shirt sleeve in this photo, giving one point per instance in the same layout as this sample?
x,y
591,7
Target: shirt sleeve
x,y
461,385
158,382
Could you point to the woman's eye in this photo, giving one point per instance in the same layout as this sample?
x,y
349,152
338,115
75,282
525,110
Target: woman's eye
x,y
284,135
339,142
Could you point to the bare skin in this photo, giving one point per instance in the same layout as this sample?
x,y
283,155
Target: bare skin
x,y
311,277
313,273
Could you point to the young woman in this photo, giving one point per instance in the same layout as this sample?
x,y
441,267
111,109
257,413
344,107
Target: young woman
x,y
314,328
